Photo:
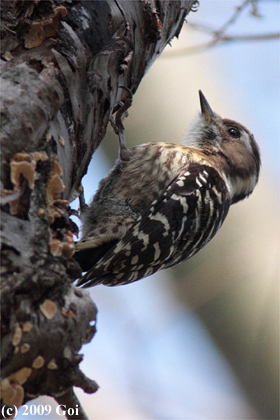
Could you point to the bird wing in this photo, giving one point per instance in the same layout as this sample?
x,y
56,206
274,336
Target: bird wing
x,y
175,226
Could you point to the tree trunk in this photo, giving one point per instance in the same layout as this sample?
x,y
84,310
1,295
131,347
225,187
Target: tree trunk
x,y
62,64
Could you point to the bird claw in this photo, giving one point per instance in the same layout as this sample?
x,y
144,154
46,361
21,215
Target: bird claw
x,y
117,123
82,201
122,113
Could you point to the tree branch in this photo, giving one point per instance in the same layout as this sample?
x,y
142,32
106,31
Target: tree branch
x,y
62,63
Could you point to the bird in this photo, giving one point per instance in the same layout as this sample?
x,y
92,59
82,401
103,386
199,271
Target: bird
x,y
163,202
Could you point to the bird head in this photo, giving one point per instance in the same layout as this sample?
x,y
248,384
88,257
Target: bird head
x,y
229,146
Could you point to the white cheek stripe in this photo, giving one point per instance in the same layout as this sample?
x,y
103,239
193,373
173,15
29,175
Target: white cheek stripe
x,y
239,186
245,138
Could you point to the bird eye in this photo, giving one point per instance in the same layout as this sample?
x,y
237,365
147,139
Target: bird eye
x,y
233,132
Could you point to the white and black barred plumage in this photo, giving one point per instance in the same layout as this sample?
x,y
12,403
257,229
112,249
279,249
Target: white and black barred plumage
x,y
163,202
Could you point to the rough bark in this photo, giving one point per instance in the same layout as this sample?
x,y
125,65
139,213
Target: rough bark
x,y
62,63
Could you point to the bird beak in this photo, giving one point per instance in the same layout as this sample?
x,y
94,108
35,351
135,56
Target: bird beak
x,y
205,107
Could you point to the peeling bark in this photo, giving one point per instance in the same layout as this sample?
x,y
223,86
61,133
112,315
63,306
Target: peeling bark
x,y
61,68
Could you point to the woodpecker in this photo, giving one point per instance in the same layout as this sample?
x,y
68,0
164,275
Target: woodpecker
x,y
162,202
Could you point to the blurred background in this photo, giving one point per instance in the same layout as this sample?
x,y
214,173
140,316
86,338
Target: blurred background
x,y
200,340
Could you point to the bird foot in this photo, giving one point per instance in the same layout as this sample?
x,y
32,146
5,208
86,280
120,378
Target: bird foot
x,y
118,126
